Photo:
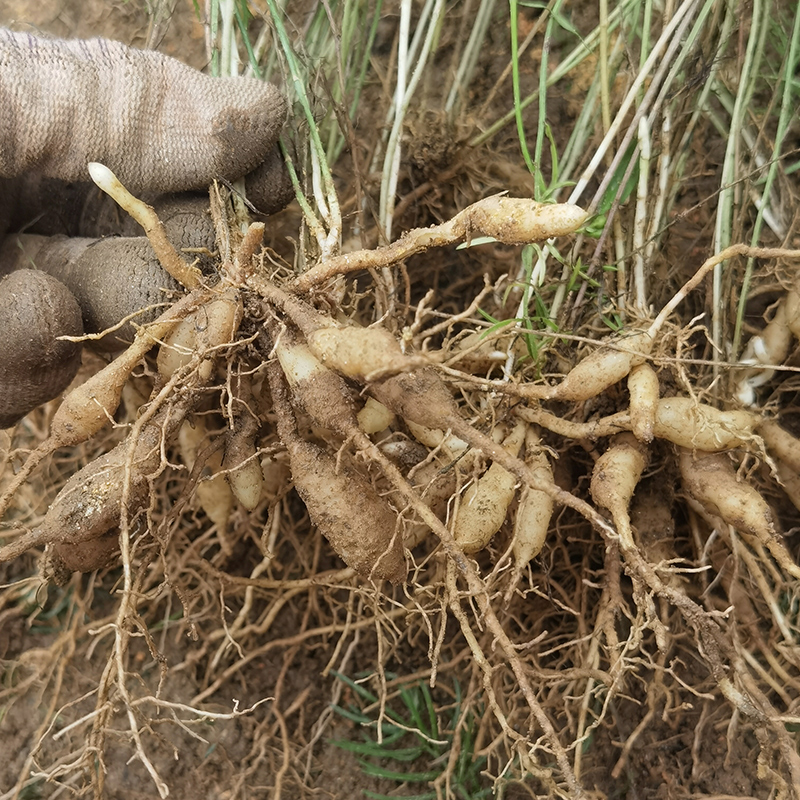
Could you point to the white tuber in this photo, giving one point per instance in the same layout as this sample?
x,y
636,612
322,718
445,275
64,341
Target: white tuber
x,y
614,478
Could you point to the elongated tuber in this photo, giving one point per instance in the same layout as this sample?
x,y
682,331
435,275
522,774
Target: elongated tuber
x,y
342,503
535,508
433,438
353,351
518,220
687,423
780,443
512,220
88,507
643,390
484,506
214,494
599,370
319,391
614,478
769,348
711,479
374,417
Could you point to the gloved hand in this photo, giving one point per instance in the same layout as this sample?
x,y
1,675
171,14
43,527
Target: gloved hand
x,y
160,126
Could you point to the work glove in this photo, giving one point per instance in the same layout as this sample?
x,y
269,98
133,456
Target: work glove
x,y
161,127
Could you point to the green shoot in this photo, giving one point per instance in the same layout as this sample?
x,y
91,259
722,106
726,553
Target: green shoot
x,y
414,733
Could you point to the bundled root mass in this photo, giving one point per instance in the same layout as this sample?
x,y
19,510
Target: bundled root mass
x,y
587,531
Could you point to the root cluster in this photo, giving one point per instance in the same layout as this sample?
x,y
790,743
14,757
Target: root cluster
x,y
527,524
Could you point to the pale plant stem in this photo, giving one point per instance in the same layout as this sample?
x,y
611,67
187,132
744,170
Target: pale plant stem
x,y
605,102
543,71
701,106
391,162
403,95
665,47
316,182
768,218
620,256
671,34
328,242
419,32
640,217
764,203
723,224
263,43
664,162
469,57
618,239
644,35
210,33
539,271
392,107
664,50
230,53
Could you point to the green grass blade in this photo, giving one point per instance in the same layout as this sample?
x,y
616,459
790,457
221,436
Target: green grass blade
x,y
788,105
376,771
518,107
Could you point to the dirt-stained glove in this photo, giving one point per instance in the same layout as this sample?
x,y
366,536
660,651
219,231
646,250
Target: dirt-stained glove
x,y
161,127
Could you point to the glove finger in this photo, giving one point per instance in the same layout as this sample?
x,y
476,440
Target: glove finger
x,y
115,277
158,124
268,186
34,365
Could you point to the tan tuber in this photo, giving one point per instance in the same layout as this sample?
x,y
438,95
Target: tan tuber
x,y
484,505
343,504
535,508
711,479
643,391
614,479
687,423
